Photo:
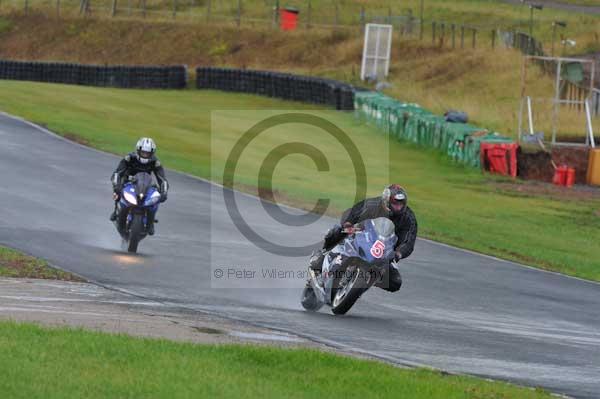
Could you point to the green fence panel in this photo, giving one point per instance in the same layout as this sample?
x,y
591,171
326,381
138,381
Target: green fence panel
x,y
409,122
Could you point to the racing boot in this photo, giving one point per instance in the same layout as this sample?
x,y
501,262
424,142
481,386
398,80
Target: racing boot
x,y
150,223
391,280
113,215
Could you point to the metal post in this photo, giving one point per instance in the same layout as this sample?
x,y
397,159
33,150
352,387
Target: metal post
x,y
553,36
208,9
493,39
58,8
530,21
26,6
275,14
443,34
588,114
433,31
144,8
523,83
129,7
337,14
174,8
113,11
309,14
422,21
462,36
453,36
409,27
592,79
556,101
474,36
362,15
520,120
530,115
239,13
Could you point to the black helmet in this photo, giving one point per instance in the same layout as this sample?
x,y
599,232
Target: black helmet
x,y
394,199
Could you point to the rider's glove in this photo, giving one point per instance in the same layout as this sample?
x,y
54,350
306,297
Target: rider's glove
x,y
116,196
332,237
163,196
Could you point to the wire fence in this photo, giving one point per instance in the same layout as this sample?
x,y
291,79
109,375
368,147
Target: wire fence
x,y
330,15
267,13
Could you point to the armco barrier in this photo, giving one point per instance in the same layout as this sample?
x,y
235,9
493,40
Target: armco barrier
x,y
139,77
275,84
412,123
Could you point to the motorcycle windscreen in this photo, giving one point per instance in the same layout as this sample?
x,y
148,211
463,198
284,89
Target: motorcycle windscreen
x,y
377,240
384,227
142,182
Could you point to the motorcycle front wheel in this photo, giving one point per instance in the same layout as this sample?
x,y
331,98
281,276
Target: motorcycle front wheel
x,y
348,288
309,299
135,232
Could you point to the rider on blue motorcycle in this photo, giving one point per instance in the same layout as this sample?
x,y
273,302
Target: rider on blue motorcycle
x,y
142,160
393,205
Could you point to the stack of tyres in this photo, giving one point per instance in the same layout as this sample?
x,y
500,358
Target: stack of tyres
x,y
95,75
276,84
202,78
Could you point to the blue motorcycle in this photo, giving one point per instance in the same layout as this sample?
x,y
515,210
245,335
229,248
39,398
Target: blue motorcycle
x,y
138,200
352,266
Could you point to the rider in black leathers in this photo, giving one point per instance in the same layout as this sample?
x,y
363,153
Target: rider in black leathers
x,y
142,160
393,205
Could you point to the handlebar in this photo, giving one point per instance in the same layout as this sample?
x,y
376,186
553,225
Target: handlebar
x,y
351,229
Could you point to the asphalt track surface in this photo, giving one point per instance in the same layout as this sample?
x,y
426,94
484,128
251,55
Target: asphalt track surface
x,y
457,311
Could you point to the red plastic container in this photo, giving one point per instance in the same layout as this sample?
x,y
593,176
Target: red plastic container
x,y
560,175
570,177
564,176
499,157
289,18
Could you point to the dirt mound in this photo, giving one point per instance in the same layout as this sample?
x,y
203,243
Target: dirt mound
x,y
535,164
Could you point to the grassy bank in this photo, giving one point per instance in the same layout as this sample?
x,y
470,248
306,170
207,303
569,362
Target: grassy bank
x,y
454,205
53,363
484,82
16,264
482,14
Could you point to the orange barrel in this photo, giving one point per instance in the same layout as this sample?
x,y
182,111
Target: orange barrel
x,y
570,177
289,18
593,173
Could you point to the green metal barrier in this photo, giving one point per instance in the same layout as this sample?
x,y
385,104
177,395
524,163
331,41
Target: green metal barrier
x,y
410,122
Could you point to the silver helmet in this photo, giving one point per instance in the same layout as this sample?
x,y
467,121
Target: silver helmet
x,y
145,149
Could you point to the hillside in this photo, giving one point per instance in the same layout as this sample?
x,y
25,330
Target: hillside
x,y
483,82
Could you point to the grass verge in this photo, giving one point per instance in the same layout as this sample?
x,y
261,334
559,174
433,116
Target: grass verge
x,y
53,363
16,264
454,204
